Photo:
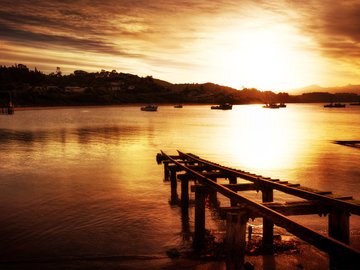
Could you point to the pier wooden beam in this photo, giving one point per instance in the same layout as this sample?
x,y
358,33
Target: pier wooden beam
x,y
287,209
241,187
215,174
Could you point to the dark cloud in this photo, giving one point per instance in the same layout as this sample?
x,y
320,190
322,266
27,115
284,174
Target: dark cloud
x,y
335,25
39,40
163,32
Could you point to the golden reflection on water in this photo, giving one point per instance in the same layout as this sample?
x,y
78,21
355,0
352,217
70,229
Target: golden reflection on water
x,y
263,138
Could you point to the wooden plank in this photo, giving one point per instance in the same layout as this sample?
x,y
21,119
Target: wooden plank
x,y
215,174
323,192
293,184
241,187
283,182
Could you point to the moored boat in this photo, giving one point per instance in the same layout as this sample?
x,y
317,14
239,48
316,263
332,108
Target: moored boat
x,y
149,108
271,106
178,106
225,106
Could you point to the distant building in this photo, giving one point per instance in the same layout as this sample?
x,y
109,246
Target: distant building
x,y
115,86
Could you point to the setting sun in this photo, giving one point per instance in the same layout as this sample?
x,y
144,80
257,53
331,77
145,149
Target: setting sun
x,y
275,46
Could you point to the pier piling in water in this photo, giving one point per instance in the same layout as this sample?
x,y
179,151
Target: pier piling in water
x,y
199,233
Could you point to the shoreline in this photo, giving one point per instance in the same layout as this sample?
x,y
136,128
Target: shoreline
x,y
307,258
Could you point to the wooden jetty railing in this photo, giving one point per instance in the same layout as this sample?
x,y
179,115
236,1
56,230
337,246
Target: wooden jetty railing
x,y
205,174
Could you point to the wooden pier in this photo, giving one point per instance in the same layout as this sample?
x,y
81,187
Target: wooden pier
x,y
204,174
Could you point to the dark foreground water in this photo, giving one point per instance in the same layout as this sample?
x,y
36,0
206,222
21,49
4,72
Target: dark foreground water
x,y
82,183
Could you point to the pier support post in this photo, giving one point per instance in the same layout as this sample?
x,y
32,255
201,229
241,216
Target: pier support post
x,y
213,194
339,226
235,240
199,234
184,193
268,225
340,230
173,183
166,171
233,180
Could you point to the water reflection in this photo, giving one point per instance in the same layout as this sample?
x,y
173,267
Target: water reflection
x,y
76,182
254,138
84,135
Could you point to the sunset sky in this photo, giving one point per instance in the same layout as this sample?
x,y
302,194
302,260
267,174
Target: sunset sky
x,y
270,45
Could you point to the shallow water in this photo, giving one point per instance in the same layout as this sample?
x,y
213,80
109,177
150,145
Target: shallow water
x,y
83,182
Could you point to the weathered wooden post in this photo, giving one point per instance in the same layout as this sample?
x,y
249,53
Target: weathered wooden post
x,y
166,171
339,225
233,180
184,178
249,233
235,240
173,183
213,194
199,234
268,225
340,230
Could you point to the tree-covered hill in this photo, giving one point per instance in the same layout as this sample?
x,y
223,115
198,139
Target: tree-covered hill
x,y
33,88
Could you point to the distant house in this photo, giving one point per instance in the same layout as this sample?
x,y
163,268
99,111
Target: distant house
x,y
115,86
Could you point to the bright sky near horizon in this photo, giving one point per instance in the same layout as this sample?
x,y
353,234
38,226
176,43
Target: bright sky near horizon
x,y
270,45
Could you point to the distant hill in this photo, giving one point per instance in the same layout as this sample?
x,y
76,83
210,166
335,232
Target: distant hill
x,y
34,88
337,89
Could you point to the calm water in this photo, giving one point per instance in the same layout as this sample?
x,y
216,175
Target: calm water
x,y
83,182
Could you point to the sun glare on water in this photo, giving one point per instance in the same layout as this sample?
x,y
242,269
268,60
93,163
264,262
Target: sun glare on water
x,y
263,141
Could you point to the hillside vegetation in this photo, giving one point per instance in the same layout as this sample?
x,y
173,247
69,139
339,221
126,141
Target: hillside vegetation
x,y
33,88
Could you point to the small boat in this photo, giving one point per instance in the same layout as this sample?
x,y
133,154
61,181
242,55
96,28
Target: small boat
x,y
225,106
271,106
178,106
149,108
335,105
355,104
282,105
